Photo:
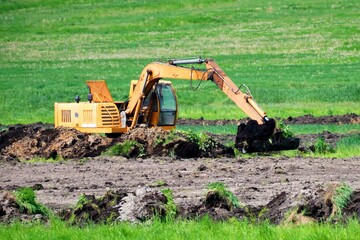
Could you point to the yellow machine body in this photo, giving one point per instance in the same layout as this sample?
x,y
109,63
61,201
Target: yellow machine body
x,y
103,115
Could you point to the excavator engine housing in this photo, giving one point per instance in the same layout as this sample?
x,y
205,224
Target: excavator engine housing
x,y
103,115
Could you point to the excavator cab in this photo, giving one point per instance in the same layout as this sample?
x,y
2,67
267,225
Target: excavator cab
x,y
159,107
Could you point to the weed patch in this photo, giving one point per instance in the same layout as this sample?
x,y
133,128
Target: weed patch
x,y
223,192
341,198
322,147
170,206
26,199
128,149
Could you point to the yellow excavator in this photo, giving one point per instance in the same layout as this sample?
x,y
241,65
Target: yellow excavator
x,y
152,101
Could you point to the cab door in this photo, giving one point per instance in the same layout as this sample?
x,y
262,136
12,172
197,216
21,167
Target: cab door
x,y
168,104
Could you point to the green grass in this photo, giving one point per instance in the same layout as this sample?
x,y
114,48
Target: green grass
x,y
223,191
201,229
297,57
26,199
348,147
128,148
341,198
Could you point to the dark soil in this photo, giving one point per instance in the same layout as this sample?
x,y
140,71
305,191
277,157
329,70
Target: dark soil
x,y
10,211
279,184
353,208
351,118
37,140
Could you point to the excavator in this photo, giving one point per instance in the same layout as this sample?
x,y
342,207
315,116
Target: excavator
x,y
153,102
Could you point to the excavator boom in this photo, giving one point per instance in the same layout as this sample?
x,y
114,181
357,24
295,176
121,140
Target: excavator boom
x,y
155,71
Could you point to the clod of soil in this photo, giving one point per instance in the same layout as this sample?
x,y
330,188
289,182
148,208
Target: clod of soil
x,y
303,207
138,206
31,141
90,209
252,137
353,207
10,211
158,142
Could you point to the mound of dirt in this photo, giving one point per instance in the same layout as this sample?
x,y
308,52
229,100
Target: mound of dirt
x,y
120,205
308,141
38,140
10,211
296,208
144,203
353,207
90,209
30,141
351,118
15,132
158,142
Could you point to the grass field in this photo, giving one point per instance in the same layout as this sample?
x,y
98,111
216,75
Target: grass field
x,y
297,57
203,229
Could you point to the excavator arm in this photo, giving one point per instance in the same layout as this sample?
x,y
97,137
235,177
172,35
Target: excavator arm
x,y
174,69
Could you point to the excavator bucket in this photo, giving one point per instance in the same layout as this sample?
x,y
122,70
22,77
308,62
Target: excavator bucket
x,y
252,137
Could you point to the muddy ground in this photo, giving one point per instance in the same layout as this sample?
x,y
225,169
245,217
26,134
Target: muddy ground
x,y
258,181
255,181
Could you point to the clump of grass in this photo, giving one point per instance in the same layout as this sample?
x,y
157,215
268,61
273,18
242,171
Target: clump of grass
x,y
341,198
286,130
90,210
202,140
127,149
224,192
82,201
170,206
294,217
26,199
322,147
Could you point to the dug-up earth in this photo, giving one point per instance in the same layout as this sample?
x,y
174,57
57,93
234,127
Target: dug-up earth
x,y
130,188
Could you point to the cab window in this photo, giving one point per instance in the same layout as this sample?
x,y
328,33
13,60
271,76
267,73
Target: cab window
x,y
167,98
